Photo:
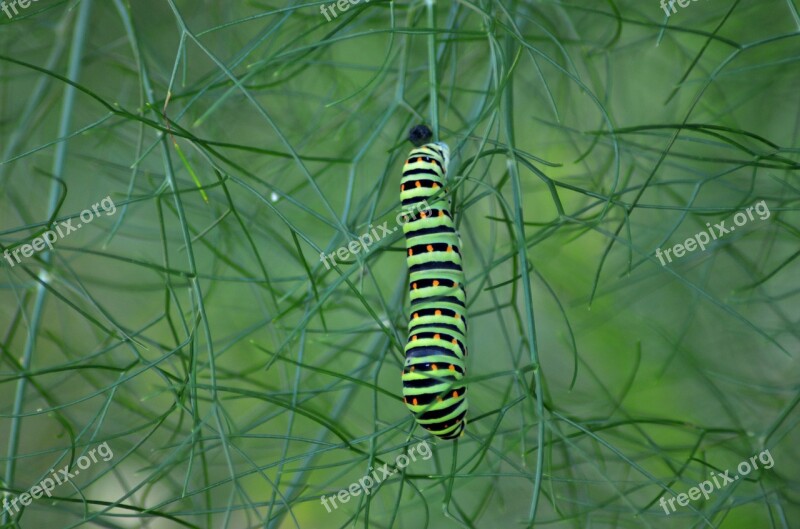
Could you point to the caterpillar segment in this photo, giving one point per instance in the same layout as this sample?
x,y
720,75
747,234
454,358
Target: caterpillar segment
x,y
436,347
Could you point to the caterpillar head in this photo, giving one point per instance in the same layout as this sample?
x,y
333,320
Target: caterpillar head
x,y
421,135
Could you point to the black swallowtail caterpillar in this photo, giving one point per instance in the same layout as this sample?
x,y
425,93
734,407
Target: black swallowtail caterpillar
x,y
437,325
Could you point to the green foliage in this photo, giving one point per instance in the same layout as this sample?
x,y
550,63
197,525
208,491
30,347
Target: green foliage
x,y
237,378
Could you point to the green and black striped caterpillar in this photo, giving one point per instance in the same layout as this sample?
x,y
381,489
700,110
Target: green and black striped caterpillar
x,y
437,326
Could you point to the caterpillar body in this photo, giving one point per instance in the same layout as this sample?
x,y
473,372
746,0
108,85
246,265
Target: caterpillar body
x,y
437,327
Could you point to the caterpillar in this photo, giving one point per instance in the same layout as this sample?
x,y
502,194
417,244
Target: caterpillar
x,y
437,327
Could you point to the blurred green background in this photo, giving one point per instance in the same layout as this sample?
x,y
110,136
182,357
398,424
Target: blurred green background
x,y
237,380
